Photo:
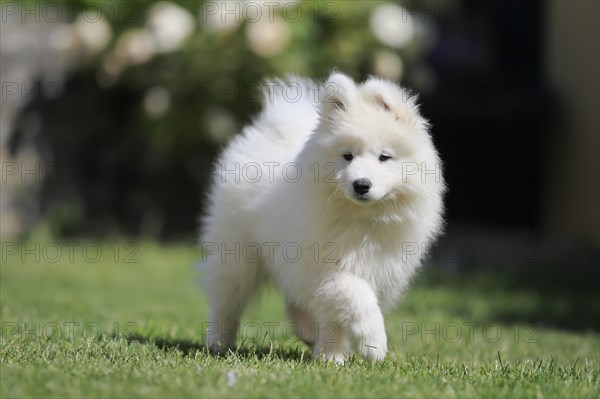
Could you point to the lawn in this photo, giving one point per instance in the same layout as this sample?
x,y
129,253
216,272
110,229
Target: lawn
x,y
125,320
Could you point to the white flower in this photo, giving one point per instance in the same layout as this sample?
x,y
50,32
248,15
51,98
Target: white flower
x,y
388,65
94,34
393,25
170,24
266,38
135,46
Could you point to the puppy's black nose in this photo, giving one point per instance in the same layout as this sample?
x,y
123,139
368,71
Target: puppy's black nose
x,y
361,186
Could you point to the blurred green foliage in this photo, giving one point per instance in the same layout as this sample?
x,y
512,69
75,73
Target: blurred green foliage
x,y
146,173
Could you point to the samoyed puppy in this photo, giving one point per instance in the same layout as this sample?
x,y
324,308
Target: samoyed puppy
x,y
334,193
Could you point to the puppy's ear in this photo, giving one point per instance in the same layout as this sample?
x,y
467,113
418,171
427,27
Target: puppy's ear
x,y
383,104
337,93
393,99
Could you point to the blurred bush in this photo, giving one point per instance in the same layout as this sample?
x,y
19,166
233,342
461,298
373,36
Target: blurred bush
x,y
153,89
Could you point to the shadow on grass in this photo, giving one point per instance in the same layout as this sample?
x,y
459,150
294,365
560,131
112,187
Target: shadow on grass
x,y
191,348
552,295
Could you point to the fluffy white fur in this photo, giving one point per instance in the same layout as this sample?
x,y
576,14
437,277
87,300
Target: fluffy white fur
x,y
358,250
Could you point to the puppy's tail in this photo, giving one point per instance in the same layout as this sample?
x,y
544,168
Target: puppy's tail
x,y
290,104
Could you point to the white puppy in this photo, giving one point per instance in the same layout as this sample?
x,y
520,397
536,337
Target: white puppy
x,y
335,193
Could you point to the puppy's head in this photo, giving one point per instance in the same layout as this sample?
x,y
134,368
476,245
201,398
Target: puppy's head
x,y
377,140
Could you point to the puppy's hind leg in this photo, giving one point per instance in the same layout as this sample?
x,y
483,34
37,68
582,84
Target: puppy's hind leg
x,y
304,325
230,282
332,344
324,339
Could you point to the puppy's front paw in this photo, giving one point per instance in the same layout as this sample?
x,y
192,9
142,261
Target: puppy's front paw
x,y
370,339
374,349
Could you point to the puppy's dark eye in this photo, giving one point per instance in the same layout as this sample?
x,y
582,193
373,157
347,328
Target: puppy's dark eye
x,y
348,156
384,157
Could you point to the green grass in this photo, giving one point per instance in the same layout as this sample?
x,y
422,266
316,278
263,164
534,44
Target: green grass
x,y
82,328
